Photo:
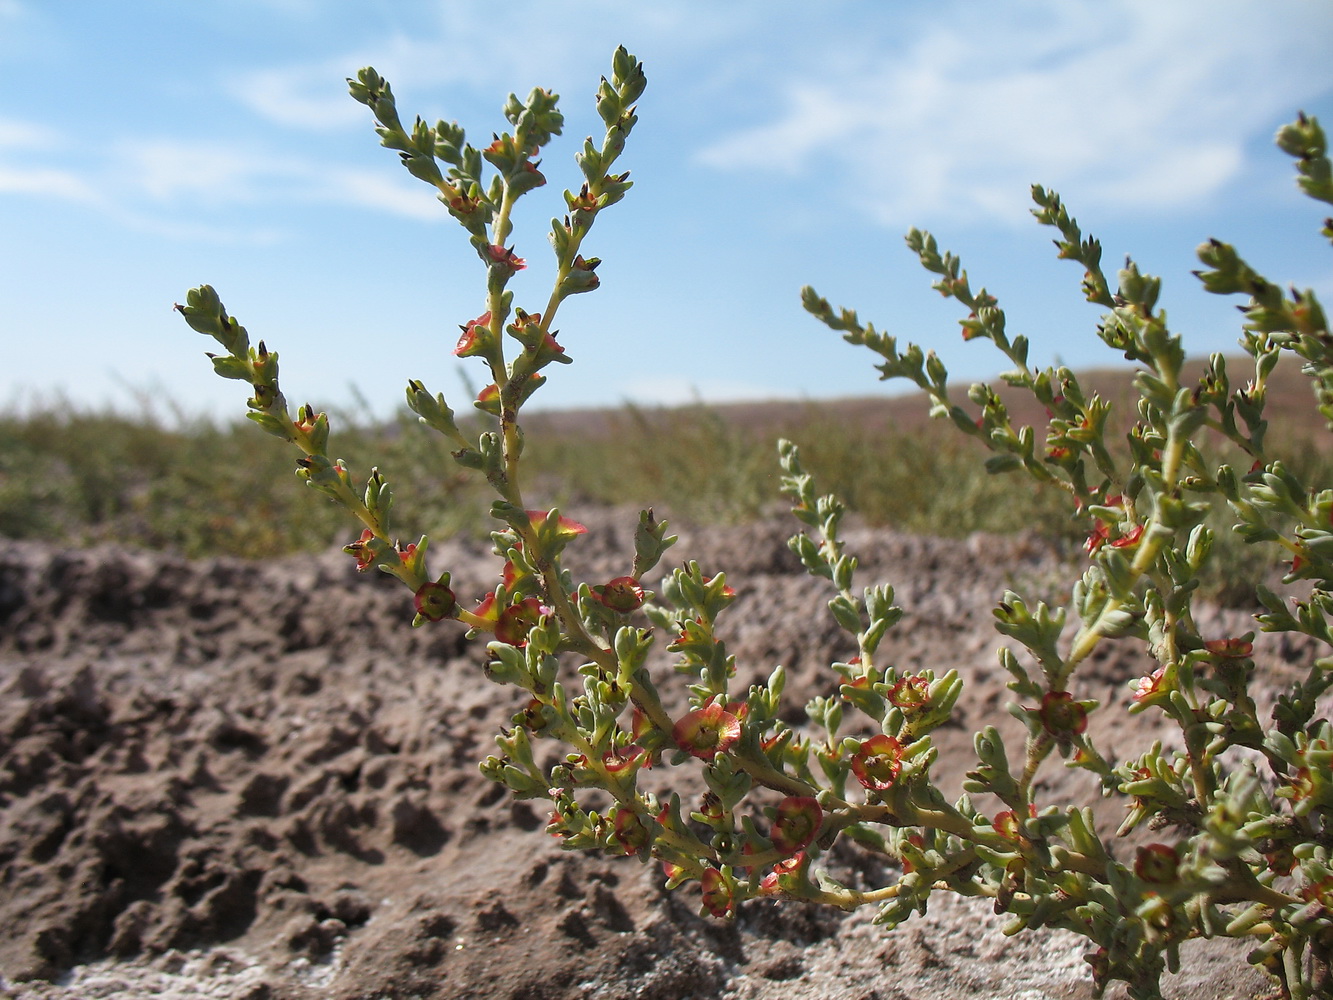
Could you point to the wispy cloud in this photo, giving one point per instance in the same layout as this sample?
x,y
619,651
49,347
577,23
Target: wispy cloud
x,y
451,48
305,96
374,189
47,183
174,188
1132,102
18,134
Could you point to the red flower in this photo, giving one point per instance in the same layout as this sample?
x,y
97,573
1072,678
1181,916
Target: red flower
x,y
463,205
707,731
434,602
584,201
565,529
910,693
1130,539
1101,531
622,760
771,883
504,257
1006,823
877,763
476,337
1146,688
622,594
523,320
1061,715
362,550
555,826
796,823
531,168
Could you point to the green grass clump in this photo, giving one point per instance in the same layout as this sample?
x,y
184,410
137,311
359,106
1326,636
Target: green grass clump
x,y
714,466
202,489
197,487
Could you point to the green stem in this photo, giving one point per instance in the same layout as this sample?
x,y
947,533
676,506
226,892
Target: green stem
x,y
757,766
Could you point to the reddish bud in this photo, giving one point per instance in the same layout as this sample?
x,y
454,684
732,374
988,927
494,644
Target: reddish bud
x,y
517,620
639,723
630,831
1061,715
1157,863
434,602
727,589
622,594
489,400
717,894
1229,649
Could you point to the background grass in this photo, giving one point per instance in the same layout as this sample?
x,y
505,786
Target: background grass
x,y
78,477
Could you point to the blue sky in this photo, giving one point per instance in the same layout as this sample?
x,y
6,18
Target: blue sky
x,y
147,146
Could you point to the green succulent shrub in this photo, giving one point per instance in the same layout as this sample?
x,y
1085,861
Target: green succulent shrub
x,y
1241,812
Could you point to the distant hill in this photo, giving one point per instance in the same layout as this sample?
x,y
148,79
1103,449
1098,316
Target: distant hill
x,y
1290,405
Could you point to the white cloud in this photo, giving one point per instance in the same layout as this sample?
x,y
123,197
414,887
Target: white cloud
x,y
16,134
167,170
307,96
1132,102
59,184
173,187
451,47
373,189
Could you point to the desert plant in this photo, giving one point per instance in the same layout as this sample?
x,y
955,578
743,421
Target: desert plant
x,y
1242,809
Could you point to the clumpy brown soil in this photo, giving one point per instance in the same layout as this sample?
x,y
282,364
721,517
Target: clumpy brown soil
x,y
220,779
